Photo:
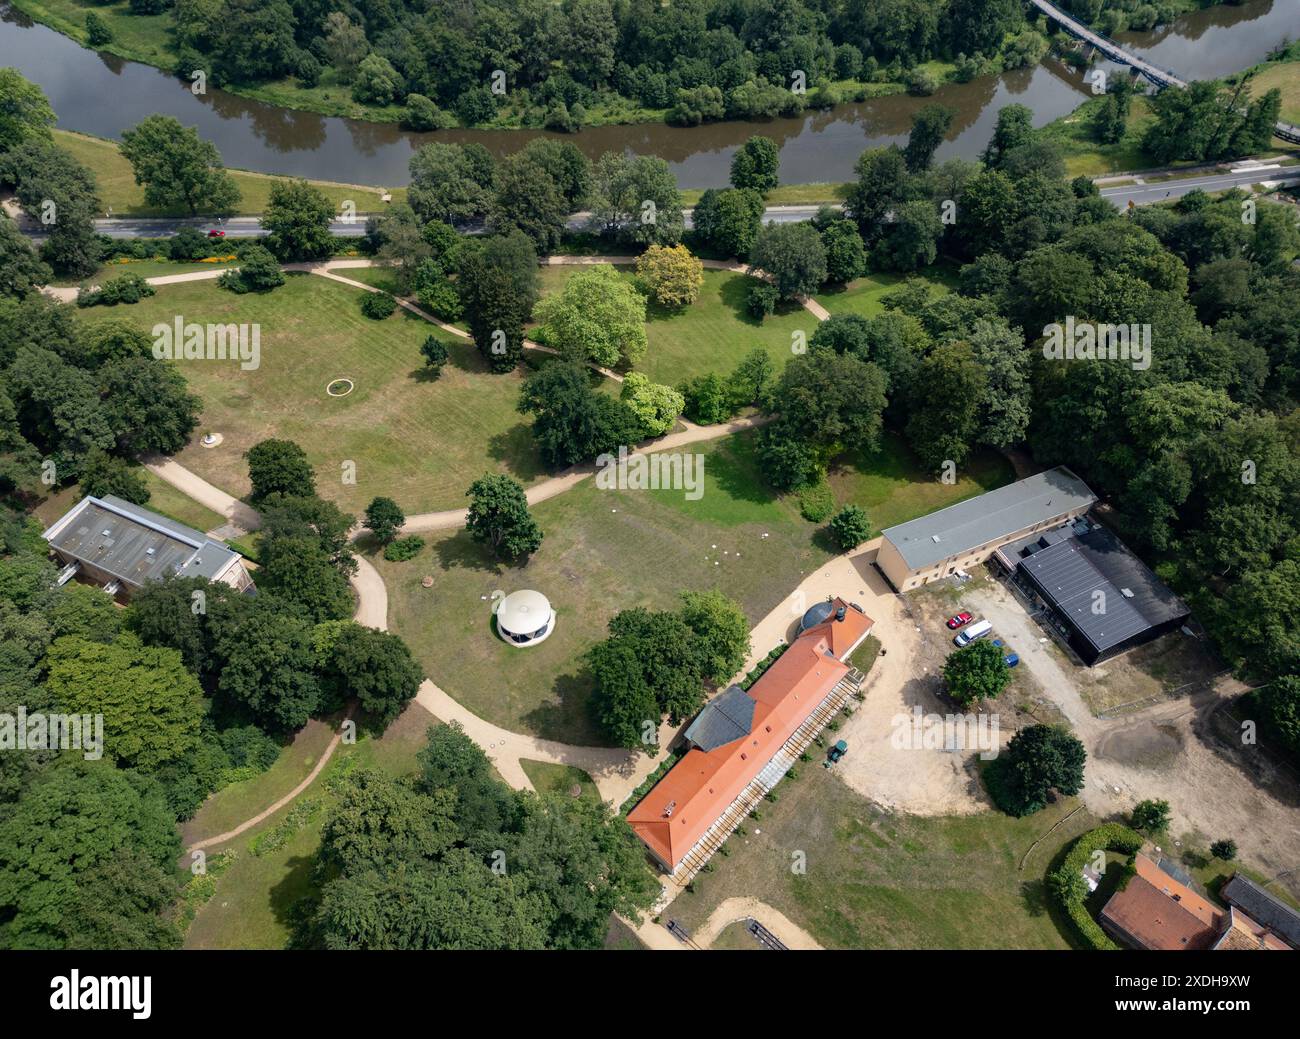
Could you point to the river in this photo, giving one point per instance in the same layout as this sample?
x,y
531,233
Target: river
x,y
102,95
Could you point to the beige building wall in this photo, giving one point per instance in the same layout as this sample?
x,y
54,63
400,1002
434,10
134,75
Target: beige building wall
x,y
891,562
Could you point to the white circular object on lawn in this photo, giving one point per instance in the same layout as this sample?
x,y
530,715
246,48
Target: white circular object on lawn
x,y
525,618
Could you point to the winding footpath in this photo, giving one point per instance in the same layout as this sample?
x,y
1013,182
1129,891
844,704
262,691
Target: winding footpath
x,y
616,772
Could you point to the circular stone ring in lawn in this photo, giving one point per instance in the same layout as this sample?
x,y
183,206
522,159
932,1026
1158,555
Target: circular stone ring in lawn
x,y
339,387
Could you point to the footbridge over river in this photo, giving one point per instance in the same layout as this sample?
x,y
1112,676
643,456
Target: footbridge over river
x,y
1160,77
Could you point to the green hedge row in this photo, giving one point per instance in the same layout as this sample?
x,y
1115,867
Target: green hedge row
x,y
1065,881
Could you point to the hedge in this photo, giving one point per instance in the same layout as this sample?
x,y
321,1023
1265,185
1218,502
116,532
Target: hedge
x,y
1110,837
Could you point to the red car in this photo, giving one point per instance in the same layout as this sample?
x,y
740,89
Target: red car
x,y
960,620
215,233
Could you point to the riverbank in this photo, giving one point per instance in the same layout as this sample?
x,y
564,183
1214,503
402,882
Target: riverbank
x,y
122,196
147,39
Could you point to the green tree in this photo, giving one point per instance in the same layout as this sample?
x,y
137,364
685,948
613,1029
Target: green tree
x,y
729,220
279,467
929,127
21,270
754,165
976,672
25,114
297,218
1037,760
102,474
70,824
435,355
572,422
655,406
1225,850
377,669
384,519
883,183
950,386
1150,817
176,167
846,256
268,665
151,704
598,316
722,631
148,405
850,527
498,285
635,200
622,702
499,518
793,255
450,182
1014,128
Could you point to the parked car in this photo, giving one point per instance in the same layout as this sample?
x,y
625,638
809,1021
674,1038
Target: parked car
x,y
959,621
976,631
1010,658
835,753
216,232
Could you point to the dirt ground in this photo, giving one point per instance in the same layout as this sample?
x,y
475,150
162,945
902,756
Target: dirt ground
x,y
1184,749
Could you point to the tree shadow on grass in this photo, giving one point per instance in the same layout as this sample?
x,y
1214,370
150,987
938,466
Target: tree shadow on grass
x,y
735,297
517,450
295,899
462,552
566,715
734,465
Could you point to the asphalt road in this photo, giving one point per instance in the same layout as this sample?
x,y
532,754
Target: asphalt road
x,y
250,226
1139,193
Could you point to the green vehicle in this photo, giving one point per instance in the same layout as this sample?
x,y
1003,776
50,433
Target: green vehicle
x,y
835,753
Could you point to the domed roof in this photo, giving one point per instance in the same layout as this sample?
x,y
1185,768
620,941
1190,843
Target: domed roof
x,y
816,614
523,612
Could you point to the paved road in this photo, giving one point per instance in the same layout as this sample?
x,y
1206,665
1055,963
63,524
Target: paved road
x,y
1142,194
250,226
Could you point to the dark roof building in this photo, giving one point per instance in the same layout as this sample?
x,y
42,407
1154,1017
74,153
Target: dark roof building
x,y
1244,894
1101,597
967,533
121,546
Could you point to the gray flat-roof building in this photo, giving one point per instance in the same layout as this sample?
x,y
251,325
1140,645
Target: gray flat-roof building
x,y
1100,597
940,543
121,547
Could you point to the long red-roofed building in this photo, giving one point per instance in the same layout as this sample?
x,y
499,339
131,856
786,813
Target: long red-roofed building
x,y
739,742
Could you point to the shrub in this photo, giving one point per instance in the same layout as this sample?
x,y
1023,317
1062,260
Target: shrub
x,y
189,243
378,305
440,298
402,549
1225,850
762,300
851,527
435,355
127,288
816,502
1071,895
97,31
1150,817
707,400
258,271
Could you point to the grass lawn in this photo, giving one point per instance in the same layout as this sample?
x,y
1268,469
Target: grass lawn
x,y
736,938
605,550
124,197
253,905
862,296
1284,76
889,485
419,442
713,334
559,779
788,194
166,499
879,880
1084,155
152,268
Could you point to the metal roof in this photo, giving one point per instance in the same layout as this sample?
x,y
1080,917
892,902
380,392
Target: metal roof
x,y
1263,907
134,544
725,718
1101,588
977,521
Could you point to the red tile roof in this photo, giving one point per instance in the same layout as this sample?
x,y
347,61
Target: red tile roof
x,y
1155,911
675,814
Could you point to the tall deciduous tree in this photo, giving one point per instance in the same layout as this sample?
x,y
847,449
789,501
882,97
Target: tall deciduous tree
x,y
499,518
177,167
297,217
